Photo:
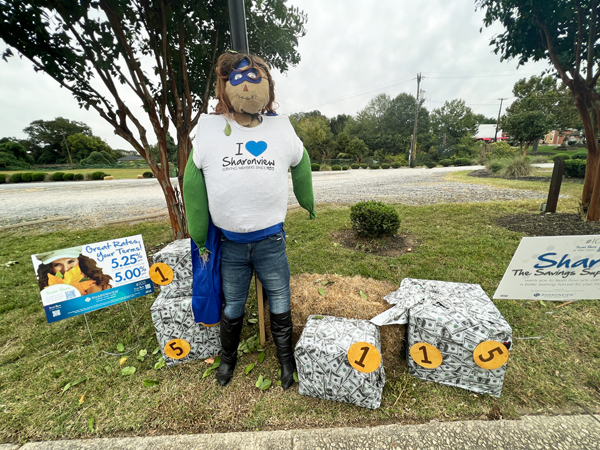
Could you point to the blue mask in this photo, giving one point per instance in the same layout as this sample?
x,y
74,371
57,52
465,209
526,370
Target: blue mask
x,y
250,75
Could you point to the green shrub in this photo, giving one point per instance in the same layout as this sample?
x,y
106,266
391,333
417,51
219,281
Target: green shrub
x,y
148,175
495,166
363,166
374,166
38,176
16,177
98,158
396,165
315,167
462,162
519,166
430,164
336,167
374,219
446,162
2,178
580,155
575,168
562,156
57,176
345,167
385,166
78,176
68,176
502,149
97,175
355,166
26,177
571,142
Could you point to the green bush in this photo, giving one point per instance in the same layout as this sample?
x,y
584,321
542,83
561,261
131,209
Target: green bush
x,y
396,165
355,166
580,155
446,162
98,158
69,176
562,156
462,162
97,175
148,175
78,176
315,167
385,166
374,219
374,166
575,168
2,178
571,142
57,176
519,166
38,176
16,177
430,164
495,166
502,149
363,166
336,167
26,177
345,167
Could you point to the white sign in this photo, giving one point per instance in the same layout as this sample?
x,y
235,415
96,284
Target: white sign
x,y
553,268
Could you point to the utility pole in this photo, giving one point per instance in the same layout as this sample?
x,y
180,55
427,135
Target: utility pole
x,y
498,120
413,142
237,26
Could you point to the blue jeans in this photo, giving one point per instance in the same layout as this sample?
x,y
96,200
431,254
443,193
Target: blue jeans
x,y
269,260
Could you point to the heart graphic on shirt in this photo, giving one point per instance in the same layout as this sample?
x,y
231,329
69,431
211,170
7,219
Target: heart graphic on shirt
x,y
256,148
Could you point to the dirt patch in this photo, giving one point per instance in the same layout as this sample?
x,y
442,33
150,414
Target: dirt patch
x,y
484,173
392,246
549,224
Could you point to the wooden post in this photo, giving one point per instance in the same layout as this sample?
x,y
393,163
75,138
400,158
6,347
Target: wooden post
x,y
261,311
557,176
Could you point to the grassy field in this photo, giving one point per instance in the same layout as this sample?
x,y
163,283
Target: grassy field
x,y
117,173
53,385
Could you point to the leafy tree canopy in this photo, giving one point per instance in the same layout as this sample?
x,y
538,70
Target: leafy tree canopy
x,y
455,120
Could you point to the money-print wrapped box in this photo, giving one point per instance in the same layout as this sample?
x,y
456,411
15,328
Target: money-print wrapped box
x,y
456,335
180,338
340,359
177,255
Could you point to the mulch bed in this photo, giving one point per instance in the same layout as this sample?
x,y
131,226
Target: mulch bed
x,y
549,224
385,246
484,173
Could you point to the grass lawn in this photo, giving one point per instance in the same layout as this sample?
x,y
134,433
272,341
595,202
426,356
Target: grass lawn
x,y
53,385
117,173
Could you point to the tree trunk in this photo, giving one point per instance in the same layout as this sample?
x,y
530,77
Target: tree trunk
x,y
174,206
535,146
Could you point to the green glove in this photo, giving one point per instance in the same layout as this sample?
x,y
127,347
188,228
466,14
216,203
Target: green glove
x,y
302,182
196,203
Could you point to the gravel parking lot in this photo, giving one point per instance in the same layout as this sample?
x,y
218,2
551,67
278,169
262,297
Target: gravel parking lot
x,y
93,203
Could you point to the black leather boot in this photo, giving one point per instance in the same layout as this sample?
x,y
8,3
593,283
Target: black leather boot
x,y
230,339
281,329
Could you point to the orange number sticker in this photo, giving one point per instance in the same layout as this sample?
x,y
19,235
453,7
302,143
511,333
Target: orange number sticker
x,y
490,355
161,273
426,355
364,357
177,348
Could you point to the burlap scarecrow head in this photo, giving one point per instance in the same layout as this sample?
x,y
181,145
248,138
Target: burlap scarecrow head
x,y
244,85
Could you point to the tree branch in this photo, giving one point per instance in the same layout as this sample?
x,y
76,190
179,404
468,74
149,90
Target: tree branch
x,y
579,37
591,43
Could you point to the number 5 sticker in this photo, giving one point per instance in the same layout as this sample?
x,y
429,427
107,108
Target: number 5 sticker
x,y
177,348
364,357
490,355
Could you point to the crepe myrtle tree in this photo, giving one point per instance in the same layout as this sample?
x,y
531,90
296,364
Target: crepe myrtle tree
x,y
163,52
566,34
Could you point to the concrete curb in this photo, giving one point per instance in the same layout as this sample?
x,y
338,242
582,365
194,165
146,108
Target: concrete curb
x,y
532,432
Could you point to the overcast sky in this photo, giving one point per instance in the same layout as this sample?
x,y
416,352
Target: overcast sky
x,y
353,50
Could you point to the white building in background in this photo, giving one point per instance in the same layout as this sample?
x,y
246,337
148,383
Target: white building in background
x,y
486,132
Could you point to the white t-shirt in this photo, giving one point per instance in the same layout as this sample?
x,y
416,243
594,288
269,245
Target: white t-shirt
x,y
246,173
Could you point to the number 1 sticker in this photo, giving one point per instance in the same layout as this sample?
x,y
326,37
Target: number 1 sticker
x,y
364,357
426,355
490,355
161,273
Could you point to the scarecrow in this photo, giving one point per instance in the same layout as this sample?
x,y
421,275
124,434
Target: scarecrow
x,y
237,179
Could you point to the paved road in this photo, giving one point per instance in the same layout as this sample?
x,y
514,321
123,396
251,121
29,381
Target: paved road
x,y
92,203
529,433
